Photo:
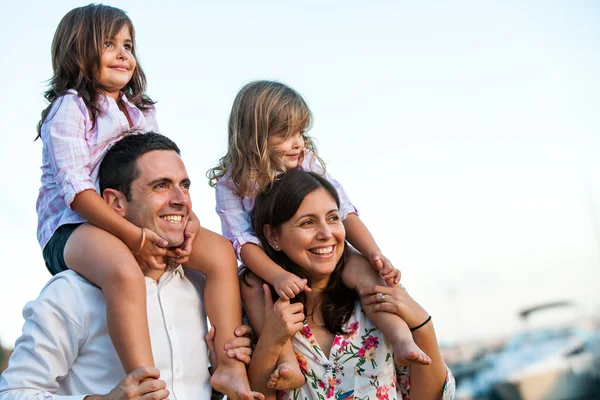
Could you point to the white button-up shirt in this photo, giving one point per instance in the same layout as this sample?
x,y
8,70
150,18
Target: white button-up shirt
x,y
65,351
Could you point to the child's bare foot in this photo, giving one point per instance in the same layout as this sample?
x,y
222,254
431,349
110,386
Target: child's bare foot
x,y
232,381
286,377
408,353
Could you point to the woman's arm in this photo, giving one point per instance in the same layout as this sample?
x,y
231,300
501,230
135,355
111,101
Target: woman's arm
x,y
426,382
282,321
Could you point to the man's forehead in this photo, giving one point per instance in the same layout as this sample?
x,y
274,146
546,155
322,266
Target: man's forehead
x,y
161,163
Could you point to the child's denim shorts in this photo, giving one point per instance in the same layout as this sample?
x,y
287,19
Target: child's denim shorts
x,y
54,252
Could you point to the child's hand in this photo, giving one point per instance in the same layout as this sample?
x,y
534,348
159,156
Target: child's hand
x,y
151,247
288,285
181,254
386,270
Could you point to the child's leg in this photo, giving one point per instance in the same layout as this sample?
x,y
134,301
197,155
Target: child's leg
x,y
288,374
106,261
213,255
358,274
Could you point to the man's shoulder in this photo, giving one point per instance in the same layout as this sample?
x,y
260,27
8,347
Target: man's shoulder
x,y
68,289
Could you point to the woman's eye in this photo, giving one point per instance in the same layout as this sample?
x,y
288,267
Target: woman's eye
x,y
334,218
306,223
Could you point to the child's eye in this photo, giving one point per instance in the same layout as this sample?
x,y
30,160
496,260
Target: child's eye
x,y
108,45
128,47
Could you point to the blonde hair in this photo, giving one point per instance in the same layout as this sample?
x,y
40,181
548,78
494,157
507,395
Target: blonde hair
x,y
260,110
76,56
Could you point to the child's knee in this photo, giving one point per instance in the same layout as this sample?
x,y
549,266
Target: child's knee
x,y
250,284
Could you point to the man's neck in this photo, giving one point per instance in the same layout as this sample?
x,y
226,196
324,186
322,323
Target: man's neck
x,y
155,274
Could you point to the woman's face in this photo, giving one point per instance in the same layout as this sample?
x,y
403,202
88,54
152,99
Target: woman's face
x,y
314,237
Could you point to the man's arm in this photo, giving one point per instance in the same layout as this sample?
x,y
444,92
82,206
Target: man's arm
x,y
55,328
52,334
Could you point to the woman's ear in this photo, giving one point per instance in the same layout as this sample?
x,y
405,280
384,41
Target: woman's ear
x,y
116,200
272,236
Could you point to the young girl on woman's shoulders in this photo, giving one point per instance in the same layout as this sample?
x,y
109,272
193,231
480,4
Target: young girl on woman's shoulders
x,y
267,135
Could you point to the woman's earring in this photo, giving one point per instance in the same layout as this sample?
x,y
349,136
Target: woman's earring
x,y
276,246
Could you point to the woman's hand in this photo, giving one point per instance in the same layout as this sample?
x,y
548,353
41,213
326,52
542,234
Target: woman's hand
x,y
151,246
181,254
288,285
282,319
395,300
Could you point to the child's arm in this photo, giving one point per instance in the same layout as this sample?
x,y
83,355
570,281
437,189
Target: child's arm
x,y
286,284
236,224
359,236
93,208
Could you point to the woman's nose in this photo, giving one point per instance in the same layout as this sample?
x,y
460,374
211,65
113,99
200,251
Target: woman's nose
x,y
324,231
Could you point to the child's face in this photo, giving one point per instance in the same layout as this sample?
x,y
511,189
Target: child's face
x,y
117,63
289,150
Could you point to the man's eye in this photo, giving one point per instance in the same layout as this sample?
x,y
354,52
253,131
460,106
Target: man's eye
x,y
186,186
161,185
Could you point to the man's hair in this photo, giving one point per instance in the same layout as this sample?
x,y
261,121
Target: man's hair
x,y
119,166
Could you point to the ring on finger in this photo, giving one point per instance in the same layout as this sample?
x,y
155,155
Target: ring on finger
x,y
381,297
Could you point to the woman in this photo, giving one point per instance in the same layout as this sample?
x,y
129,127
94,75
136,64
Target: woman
x,y
341,353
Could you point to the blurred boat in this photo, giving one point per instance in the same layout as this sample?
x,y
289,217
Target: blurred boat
x,y
549,363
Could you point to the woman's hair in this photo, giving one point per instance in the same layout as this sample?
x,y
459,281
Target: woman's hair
x,y
77,52
277,205
260,110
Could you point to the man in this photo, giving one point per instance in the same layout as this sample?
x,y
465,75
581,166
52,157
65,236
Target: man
x,y
65,350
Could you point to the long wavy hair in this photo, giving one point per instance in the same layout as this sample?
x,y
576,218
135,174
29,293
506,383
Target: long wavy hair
x,y
76,55
260,110
277,205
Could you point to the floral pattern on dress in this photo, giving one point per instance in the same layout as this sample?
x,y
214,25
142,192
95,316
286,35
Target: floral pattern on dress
x,y
360,366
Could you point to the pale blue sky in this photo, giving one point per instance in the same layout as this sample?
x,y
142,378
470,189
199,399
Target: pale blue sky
x,y
466,133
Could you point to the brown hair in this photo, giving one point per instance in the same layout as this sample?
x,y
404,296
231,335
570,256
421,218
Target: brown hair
x,y
76,54
277,205
260,110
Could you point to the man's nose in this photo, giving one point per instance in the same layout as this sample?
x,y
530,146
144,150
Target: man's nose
x,y
180,197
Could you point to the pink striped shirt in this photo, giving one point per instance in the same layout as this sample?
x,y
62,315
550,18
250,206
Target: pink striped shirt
x,y
234,211
72,152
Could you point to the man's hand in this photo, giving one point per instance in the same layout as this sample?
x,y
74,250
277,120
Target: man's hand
x,y
385,268
143,384
238,348
181,254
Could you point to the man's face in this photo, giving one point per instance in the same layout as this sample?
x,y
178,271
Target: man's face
x,y
160,198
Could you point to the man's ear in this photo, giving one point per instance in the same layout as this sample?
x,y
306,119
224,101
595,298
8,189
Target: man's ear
x,y
116,200
272,236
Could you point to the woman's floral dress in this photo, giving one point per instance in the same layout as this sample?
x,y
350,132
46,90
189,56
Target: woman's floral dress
x,y
360,366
